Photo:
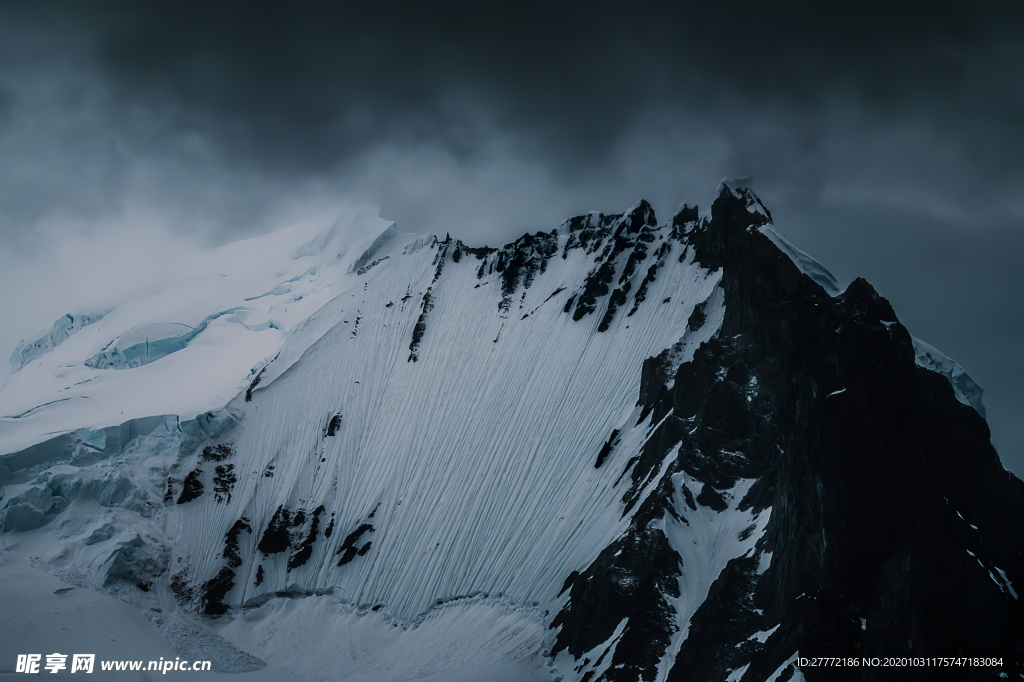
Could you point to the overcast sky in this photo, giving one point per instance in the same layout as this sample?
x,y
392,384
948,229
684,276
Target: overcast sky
x,y
886,138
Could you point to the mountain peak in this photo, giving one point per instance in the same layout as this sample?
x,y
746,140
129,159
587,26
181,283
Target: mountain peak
x,y
640,451
638,216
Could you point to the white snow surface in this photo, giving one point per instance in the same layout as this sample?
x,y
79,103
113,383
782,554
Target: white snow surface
x,y
464,642
42,614
55,391
61,329
1002,582
797,674
737,674
763,635
706,541
474,464
967,391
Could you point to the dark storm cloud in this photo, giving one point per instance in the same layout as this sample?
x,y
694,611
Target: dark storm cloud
x,y
885,137
318,90
309,86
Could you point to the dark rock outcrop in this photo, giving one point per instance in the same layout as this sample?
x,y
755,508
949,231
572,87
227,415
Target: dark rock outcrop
x,y
893,530
192,488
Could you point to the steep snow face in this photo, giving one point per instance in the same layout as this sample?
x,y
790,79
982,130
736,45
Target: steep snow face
x,y
442,416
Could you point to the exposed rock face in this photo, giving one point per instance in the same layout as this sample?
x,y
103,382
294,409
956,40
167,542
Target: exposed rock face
x,y
893,528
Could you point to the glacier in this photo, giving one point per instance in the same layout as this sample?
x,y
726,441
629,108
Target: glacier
x,y
62,328
549,460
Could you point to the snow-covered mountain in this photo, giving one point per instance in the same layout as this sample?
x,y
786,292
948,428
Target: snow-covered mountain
x,y
617,450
